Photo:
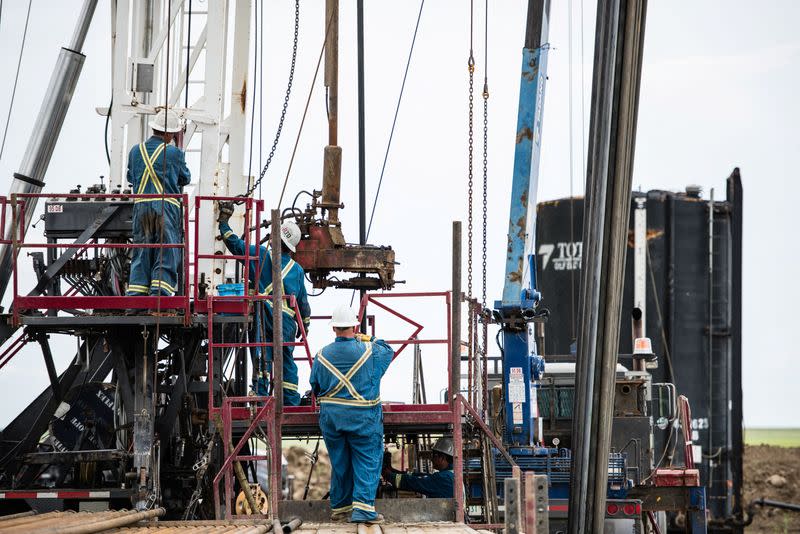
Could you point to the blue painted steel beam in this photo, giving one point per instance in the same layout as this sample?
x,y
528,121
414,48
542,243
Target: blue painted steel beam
x,y
522,212
521,365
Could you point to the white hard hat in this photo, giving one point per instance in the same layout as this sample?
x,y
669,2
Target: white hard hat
x,y
445,446
290,234
343,317
166,121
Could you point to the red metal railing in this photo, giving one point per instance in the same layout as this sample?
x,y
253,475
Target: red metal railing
x,y
212,306
50,302
4,203
262,410
252,216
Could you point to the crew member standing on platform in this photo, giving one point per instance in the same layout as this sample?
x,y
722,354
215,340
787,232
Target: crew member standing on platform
x,y
346,379
156,167
439,484
293,280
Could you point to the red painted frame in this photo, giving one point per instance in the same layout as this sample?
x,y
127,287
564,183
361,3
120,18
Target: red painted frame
x,y
394,414
25,302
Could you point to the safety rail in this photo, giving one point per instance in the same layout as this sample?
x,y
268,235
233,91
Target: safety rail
x,y
253,209
4,204
261,410
212,303
72,301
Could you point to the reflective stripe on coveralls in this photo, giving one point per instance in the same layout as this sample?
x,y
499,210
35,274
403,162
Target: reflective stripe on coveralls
x,y
287,310
344,382
268,290
346,379
150,175
156,220
261,278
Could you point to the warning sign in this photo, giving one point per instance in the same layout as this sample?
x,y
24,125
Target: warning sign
x,y
516,386
517,413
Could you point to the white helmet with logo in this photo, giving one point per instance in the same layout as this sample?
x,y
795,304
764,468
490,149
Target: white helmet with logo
x,y
166,121
343,317
290,234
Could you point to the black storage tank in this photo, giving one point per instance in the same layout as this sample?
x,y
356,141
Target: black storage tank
x,y
693,313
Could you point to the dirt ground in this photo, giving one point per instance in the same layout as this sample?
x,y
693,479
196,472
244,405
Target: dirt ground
x,y
299,462
770,472
773,473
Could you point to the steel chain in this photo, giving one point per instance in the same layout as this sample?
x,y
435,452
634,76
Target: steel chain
x,y
483,310
471,67
200,468
285,102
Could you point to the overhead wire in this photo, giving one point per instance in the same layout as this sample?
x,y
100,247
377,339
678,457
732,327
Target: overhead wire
x,y
394,120
16,78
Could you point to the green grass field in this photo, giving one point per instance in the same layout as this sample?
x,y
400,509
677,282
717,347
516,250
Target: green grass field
x,y
781,437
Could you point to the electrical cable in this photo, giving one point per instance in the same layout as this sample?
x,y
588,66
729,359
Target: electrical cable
x,y
16,79
394,120
105,136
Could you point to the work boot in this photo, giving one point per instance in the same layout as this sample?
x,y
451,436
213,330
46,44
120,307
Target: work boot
x,y
340,517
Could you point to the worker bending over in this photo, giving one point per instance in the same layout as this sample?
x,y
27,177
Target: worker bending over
x,y
157,167
439,484
346,378
293,281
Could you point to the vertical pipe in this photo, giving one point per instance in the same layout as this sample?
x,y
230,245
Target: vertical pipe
x,y
455,371
332,68
277,314
734,197
362,225
277,360
711,414
362,151
455,318
615,94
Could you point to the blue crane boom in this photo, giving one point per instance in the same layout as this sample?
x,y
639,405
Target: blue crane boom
x,y
520,295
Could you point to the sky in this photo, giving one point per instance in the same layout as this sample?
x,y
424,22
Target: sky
x,y
718,91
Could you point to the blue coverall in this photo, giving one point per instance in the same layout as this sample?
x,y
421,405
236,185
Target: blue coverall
x,y
438,484
346,379
293,279
154,271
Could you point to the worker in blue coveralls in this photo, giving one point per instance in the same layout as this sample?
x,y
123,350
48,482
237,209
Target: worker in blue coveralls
x,y
157,167
293,280
346,379
439,484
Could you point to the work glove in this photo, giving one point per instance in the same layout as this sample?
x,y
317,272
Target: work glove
x,y
298,334
364,338
225,211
